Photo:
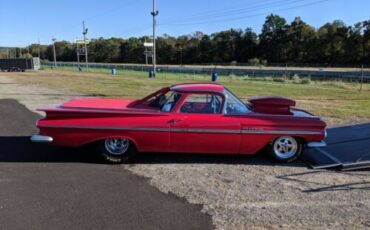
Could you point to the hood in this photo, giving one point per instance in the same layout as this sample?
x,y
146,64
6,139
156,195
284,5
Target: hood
x,y
97,103
272,105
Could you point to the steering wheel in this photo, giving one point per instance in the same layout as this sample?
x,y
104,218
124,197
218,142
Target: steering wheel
x,y
162,100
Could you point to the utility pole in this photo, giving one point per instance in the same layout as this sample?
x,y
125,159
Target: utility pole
x,y
154,13
84,32
54,52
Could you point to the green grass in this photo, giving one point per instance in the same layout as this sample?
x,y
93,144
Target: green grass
x,y
338,100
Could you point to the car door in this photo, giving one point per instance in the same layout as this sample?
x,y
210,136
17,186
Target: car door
x,y
153,131
198,126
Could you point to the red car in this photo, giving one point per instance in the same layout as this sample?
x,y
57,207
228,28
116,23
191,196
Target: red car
x,y
185,118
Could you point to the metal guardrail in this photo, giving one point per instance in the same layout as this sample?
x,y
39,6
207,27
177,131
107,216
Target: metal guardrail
x,y
319,74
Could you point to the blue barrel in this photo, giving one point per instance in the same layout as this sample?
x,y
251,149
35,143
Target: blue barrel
x,y
151,74
214,76
114,71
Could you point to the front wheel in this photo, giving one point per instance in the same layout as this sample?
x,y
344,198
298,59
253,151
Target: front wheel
x,y
116,150
285,149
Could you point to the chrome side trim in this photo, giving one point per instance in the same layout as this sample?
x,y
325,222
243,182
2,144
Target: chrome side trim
x,y
183,130
174,130
225,131
317,144
283,132
41,139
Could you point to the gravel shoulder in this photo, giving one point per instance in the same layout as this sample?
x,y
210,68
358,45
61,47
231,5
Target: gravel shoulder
x,y
242,192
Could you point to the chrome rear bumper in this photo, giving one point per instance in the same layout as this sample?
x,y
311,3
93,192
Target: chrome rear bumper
x,y
316,144
41,139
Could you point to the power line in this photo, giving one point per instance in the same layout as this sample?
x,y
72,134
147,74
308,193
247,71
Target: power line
x,y
219,10
254,7
240,18
146,28
226,17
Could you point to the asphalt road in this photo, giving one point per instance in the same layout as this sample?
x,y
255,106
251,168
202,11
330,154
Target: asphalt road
x,y
44,187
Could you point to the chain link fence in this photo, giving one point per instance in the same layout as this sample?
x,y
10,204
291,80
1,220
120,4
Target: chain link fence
x,y
314,73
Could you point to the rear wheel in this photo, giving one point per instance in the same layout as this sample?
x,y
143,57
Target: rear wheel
x,y
285,149
117,150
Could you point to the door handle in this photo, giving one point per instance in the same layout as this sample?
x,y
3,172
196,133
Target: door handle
x,y
174,121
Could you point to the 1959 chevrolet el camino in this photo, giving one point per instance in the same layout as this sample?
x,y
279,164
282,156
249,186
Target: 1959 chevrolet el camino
x,y
185,118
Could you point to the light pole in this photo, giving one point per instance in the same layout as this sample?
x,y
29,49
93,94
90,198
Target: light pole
x,y
84,32
54,53
154,13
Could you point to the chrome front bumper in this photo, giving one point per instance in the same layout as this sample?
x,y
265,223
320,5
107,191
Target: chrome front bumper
x,y
316,144
41,139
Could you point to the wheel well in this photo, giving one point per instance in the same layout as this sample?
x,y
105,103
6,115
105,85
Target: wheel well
x,y
301,140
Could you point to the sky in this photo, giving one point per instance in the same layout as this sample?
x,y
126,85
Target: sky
x,y
23,22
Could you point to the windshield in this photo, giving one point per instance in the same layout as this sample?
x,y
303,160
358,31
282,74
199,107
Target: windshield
x,y
234,105
163,100
154,100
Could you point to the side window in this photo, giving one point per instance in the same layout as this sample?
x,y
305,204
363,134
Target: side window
x,y
170,103
234,105
202,103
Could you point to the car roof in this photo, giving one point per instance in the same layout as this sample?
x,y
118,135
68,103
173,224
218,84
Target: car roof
x,y
198,87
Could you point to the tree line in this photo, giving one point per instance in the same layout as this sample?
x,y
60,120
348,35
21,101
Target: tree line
x,y
334,43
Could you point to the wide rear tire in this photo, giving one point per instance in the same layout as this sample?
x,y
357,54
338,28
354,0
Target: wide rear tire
x,y
116,150
285,149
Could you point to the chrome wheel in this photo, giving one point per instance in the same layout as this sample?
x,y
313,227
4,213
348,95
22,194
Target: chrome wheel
x,y
117,146
285,147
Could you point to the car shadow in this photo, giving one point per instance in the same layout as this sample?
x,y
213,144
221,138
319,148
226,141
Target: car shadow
x,y
21,149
